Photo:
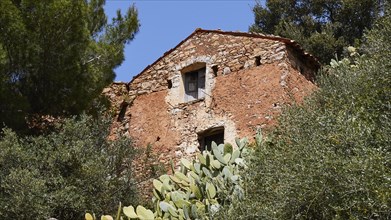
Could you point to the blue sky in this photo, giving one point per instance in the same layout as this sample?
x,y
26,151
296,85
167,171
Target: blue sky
x,y
166,23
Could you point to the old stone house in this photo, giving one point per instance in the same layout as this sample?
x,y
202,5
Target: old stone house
x,y
213,86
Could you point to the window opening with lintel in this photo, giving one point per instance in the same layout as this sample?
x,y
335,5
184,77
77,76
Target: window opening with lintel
x,y
206,138
194,83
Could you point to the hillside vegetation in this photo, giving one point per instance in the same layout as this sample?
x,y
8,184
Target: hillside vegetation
x,y
330,158
65,173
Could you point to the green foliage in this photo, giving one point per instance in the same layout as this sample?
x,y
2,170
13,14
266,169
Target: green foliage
x,y
322,27
10,106
59,174
199,189
56,56
330,158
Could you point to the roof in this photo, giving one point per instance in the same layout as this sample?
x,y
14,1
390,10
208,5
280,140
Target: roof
x,y
287,41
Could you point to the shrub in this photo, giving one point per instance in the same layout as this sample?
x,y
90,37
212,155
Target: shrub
x,y
59,174
330,158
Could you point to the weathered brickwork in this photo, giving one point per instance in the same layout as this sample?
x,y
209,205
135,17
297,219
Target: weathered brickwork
x,y
248,77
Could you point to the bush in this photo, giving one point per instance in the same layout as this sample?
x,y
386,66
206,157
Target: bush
x,y
65,173
330,158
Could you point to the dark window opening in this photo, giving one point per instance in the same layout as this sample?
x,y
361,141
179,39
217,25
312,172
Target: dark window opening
x,y
206,138
169,83
121,114
194,83
257,60
215,68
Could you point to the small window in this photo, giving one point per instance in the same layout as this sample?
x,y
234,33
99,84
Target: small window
x,y
206,138
257,60
215,68
169,83
194,83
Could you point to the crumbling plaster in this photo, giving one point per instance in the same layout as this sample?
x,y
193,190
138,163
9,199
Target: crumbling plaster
x,y
240,96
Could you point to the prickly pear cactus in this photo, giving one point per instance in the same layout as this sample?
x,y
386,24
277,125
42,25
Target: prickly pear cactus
x,y
199,188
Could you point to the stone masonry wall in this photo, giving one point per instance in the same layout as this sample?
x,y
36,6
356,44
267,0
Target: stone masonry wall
x,y
228,53
247,81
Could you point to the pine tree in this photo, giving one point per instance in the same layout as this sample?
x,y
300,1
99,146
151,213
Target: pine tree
x,y
323,27
56,56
